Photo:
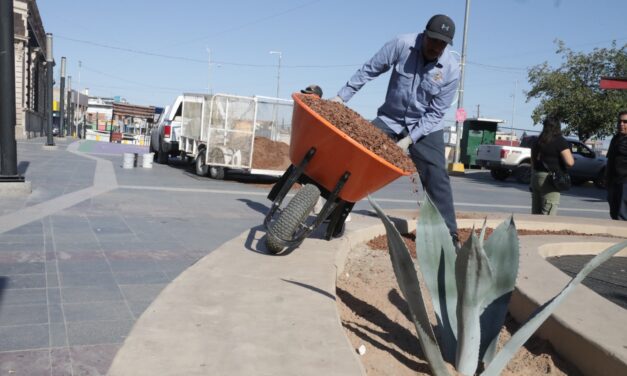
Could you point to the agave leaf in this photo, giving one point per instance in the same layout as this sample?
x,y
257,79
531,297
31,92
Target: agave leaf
x,y
542,313
474,282
502,249
409,284
436,256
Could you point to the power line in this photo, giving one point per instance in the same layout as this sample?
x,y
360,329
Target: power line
x,y
129,81
245,25
199,61
498,67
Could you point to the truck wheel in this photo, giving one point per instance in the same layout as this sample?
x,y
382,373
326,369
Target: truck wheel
x,y
162,156
500,174
201,167
216,172
291,217
600,181
523,173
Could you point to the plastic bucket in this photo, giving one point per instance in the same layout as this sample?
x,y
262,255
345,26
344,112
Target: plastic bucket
x,y
129,160
337,153
147,160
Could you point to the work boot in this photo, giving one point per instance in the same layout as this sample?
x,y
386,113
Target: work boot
x,y
456,242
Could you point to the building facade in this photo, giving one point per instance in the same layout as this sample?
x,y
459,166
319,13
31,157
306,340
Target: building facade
x,y
32,96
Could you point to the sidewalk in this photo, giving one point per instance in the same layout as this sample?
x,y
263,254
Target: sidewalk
x,y
83,256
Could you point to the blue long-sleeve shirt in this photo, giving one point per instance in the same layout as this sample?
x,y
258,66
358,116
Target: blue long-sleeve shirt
x,y
419,92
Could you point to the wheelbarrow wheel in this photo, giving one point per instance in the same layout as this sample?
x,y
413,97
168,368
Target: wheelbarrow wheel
x,y
291,217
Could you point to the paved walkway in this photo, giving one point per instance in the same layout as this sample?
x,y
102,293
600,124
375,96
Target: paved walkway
x,y
84,255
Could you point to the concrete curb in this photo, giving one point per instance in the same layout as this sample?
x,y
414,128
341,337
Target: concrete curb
x,y
238,311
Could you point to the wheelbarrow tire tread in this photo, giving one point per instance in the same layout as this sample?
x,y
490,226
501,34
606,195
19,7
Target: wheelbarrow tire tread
x,y
291,217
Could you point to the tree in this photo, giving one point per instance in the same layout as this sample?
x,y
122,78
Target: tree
x,y
572,90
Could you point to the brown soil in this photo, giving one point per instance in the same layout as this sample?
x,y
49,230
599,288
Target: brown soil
x,y
375,315
380,242
270,155
360,130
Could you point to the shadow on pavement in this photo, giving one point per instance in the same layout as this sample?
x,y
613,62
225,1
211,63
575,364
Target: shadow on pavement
x,y
188,170
309,287
4,281
588,191
256,206
22,167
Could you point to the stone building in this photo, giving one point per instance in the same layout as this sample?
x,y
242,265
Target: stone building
x,y
32,94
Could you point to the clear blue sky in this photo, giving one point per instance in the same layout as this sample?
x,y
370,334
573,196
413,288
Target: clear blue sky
x,y
321,41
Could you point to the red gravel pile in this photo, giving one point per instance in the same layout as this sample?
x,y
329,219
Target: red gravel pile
x,y
270,155
360,130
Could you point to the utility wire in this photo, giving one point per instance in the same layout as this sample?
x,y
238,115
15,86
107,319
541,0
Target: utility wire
x,y
129,81
229,63
199,61
247,24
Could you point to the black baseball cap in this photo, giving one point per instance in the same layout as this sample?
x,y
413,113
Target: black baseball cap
x,y
441,27
313,89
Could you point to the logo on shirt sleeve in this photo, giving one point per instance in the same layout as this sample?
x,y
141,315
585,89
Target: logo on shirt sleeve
x,y
437,76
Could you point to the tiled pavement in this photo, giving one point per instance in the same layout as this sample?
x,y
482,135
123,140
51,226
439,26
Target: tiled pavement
x,y
73,283
608,280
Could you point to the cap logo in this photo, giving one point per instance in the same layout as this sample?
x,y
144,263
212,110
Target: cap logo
x,y
445,27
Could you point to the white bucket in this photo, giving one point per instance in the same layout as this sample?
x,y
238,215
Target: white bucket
x,y
129,160
147,160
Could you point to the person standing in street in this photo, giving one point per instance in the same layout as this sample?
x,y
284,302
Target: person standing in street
x,y
425,77
551,152
616,170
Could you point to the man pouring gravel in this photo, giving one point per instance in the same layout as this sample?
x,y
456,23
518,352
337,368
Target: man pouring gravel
x,y
425,76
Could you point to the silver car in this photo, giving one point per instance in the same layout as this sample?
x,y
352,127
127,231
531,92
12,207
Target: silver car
x,y
589,166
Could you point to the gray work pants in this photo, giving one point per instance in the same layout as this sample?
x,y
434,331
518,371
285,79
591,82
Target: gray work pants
x,y
545,199
428,155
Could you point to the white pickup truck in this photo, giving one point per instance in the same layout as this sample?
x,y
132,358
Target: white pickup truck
x,y
164,137
505,161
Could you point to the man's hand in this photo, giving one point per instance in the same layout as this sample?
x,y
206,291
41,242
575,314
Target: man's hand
x,y
337,99
404,143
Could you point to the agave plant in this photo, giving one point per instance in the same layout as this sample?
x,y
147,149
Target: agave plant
x,y
470,289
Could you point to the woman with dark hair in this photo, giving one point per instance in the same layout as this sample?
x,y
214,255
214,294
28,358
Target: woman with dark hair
x,y
551,152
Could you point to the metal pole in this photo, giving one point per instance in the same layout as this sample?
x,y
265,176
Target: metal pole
x,y
62,98
8,146
511,135
278,75
70,111
209,71
78,89
49,66
460,101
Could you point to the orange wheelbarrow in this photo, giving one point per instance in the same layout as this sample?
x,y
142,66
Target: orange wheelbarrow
x,y
327,163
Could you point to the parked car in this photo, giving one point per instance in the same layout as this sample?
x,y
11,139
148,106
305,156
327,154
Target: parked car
x,y
504,161
164,137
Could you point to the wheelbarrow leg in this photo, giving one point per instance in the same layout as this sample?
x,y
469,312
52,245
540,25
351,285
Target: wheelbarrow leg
x,y
337,219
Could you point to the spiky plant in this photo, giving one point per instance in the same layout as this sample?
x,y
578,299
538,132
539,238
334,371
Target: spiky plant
x,y
470,290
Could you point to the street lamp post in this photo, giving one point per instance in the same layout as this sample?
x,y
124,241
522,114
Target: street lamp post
x,y
278,75
62,103
460,101
511,136
49,88
209,71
